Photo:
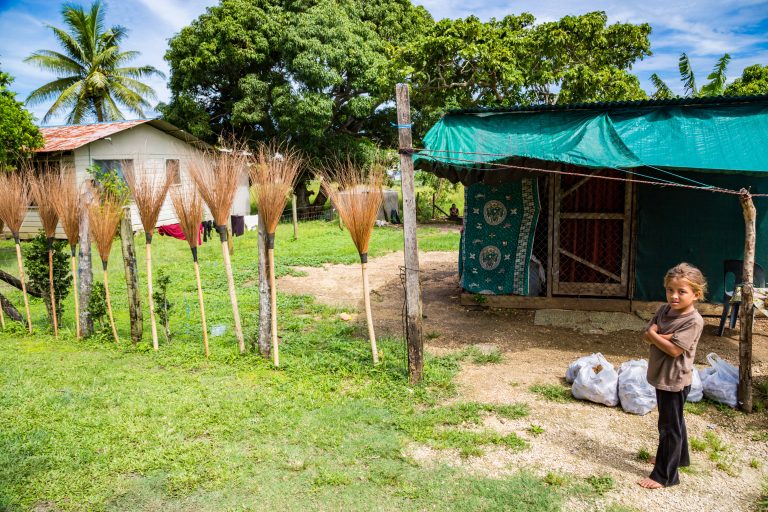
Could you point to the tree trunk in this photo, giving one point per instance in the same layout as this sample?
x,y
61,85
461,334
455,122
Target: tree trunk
x,y
13,281
747,309
307,209
131,276
265,308
10,310
85,270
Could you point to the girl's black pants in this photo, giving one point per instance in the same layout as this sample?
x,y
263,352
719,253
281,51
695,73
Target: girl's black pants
x,y
673,437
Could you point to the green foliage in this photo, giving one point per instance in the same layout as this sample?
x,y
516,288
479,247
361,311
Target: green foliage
x,y
600,484
536,430
687,76
93,76
761,436
663,92
478,356
18,133
97,303
552,392
310,72
753,80
717,77
36,265
109,180
643,455
762,501
697,408
162,305
755,464
697,444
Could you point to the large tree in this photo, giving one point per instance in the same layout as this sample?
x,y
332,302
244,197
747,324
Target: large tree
x,y
94,80
18,133
465,63
312,71
753,80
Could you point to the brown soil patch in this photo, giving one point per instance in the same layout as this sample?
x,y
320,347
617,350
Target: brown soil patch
x,y
579,438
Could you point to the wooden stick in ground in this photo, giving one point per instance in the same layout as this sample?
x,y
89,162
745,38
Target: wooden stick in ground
x,y
273,175
217,176
189,210
358,199
149,190
68,205
14,202
747,310
104,217
44,185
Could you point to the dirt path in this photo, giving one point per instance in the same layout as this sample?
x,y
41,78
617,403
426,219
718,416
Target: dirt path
x,y
579,438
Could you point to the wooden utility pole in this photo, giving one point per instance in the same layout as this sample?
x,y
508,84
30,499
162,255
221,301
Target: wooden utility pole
x,y
295,218
84,268
131,276
747,316
413,311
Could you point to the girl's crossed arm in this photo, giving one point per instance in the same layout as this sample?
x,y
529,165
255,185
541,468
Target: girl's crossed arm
x,y
662,341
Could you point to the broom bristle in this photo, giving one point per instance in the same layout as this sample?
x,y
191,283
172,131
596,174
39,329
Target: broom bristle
x,y
14,199
217,175
44,186
357,197
104,215
189,210
149,191
68,205
273,175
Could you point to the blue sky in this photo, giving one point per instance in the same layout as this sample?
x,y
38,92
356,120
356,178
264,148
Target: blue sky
x,y
705,29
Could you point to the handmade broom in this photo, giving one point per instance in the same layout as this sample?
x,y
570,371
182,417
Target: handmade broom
x,y
189,210
217,176
68,206
45,186
273,176
14,201
149,191
104,215
357,198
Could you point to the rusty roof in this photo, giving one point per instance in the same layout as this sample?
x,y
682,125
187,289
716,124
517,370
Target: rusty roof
x,y
69,137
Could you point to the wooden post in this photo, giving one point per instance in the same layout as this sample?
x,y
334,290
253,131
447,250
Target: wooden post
x,y
131,276
412,285
295,217
85,269
747,316
265,301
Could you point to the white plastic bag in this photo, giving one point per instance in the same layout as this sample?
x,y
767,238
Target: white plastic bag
x,y
635,394
722,383
697,387
597,383
591,360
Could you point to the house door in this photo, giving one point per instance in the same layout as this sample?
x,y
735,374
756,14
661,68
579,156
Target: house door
x,y
591,238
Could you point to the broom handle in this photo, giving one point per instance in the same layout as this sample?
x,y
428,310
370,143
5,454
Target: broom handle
x,y
368,315
76,290
150,292
109,305
233,296
273,305
53,294
202,307
23,285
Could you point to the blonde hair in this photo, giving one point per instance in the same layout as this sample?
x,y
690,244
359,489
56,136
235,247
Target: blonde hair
x,y
691,275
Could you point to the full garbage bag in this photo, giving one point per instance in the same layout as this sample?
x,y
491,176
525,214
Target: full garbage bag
x,y
697,388
590,360
597,383
635,394
722,382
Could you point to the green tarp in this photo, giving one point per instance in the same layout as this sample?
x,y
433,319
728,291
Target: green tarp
x,y
705,137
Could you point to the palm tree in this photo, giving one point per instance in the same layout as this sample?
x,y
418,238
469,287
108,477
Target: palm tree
x,y
92,74
715,86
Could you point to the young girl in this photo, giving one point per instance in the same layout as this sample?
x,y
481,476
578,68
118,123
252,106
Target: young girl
x,y
673,334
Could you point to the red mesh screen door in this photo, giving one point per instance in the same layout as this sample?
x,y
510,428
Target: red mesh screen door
x,y
591,236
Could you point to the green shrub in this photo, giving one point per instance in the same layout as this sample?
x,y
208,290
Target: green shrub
x,y
97,303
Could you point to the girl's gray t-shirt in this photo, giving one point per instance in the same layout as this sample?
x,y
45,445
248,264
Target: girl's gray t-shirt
x,y
674,373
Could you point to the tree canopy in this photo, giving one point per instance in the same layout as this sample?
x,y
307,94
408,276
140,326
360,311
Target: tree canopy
x,y
753,80
93,76
312,72
18,133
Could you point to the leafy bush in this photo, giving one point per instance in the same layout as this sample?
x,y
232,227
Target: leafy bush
x,y
36,264
162,305
97,303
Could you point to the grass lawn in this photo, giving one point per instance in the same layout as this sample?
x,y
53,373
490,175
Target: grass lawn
x,y
90,425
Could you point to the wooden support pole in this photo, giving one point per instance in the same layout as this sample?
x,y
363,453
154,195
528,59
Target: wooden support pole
x,y
413,310
85,268
75,289
747,316
131,270
295,217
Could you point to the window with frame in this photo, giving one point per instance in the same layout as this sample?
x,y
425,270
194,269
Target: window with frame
x,y
116,165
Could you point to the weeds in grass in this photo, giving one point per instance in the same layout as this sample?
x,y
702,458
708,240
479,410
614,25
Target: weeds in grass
x,y
760,436
697,408
552,392
697,444
536,430
689,470
720,453
755,464
432,335
555,479
618,507
600,484
643,455
762,501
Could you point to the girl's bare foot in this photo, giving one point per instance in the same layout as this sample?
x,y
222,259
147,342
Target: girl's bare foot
x,y
650,483
652,461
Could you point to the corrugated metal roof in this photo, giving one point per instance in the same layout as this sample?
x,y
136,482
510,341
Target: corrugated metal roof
x,y
614,105
69,137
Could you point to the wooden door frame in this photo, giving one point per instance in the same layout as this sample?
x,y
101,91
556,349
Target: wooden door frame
x,y
555,287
